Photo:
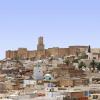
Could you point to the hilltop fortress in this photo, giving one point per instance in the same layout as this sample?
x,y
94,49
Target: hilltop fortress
x,y
41,52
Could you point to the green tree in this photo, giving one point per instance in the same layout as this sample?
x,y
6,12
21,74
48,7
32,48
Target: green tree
x,y
75,60
93,65
81,64
67,62
83,56
98,66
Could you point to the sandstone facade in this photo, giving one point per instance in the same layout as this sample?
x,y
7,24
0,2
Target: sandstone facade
x,y
23,53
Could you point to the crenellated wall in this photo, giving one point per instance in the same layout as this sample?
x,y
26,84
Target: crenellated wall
x,y
59,52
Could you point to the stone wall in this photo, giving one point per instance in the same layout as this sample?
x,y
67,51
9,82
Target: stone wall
x,y
59,52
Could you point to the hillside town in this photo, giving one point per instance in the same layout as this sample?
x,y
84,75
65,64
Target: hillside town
x,y
71,73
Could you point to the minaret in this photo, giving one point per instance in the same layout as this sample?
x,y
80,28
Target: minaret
x,y
40,45
38,72
89,49
89,53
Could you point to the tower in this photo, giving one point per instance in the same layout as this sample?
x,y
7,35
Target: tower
x,y
89,53
38,72
89,49
40,45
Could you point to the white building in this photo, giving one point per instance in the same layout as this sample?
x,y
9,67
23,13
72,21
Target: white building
x,y
29,82
38,72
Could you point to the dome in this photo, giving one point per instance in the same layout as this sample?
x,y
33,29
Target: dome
x,y
48,77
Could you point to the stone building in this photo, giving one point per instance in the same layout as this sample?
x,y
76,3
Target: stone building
x,y
40,45
23,53
69,76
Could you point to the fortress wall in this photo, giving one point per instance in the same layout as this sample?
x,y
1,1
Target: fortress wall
x,y
47,53
53,51
22,53
31,54
78,46
40,53
75,49
63,52
8,54
11,54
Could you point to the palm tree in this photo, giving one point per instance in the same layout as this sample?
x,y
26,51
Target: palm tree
x,y
81,64
93,64
98,66
75,61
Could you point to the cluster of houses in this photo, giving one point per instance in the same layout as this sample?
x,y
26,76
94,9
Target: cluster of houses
x,y
74,77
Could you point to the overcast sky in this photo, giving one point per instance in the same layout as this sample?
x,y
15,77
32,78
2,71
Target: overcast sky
x,y
61,22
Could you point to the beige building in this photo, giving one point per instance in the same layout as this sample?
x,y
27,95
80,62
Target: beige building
x,y
41,52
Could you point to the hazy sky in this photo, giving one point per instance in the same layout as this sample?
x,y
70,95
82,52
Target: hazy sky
x,y
61,22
